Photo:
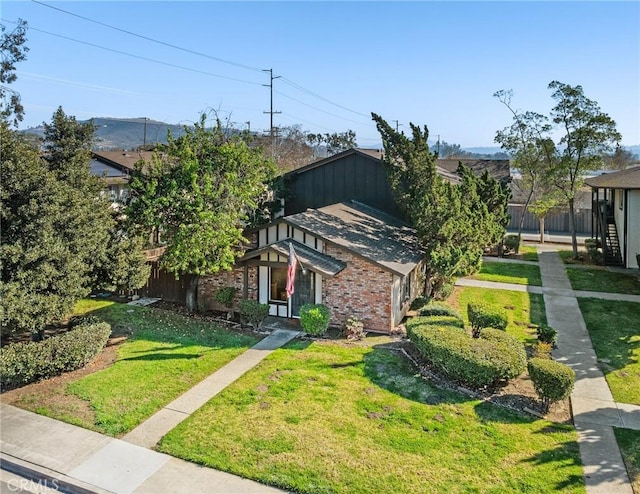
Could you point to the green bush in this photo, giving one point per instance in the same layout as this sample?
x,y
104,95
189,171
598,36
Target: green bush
x,y
470,361
443,291
511,242
552,380
419,302
485,316
547,334
314,318
594,249
225,296
439,309
253,312
452,321
23,363
542,350
512,360
354,329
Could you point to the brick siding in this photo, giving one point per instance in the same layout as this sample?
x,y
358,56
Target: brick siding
x,y
209,285
362,289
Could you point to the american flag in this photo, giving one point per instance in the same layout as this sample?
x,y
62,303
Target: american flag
x,y
291,270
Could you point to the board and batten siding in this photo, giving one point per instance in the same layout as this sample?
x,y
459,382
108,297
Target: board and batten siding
x,y
353,177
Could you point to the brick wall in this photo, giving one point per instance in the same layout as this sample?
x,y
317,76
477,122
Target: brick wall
x,y
209,285
362,289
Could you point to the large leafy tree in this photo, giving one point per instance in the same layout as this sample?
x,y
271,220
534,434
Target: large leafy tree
x,y
199,194
454,222
587,134
527,141
58,233
12,51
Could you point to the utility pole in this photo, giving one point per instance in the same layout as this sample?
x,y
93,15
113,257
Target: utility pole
x,y
396,124
438,144
248,126
271,112
144,140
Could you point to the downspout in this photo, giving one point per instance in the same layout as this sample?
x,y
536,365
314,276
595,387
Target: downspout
x,y
626,224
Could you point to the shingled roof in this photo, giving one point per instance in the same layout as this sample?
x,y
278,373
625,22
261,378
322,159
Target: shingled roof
x,y
624,179
365,231
498,169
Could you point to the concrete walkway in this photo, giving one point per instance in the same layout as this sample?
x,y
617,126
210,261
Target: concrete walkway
x,y
594,410
151,430
81,461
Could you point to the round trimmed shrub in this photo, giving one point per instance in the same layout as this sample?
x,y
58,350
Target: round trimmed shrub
x,y
511,242
552,380
24,363
253,312
485,316
314,318
225,296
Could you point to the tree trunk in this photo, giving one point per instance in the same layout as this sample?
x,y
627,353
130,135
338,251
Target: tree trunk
x,y
572,228
541,220
192,294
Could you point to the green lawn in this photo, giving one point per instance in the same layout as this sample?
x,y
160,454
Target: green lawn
x,y
524,309
165,355
600,280
331,417
528,252
503,272
614,328
629,442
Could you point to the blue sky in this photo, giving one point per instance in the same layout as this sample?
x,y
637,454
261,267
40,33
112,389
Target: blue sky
x,y
433,63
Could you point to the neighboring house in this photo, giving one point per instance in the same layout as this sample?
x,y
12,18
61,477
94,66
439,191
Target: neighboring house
x,y
116,167
616,215
500,170
355,259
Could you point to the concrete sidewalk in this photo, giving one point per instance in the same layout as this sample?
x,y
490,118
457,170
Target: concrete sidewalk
x,y
82,461
77,460
595,413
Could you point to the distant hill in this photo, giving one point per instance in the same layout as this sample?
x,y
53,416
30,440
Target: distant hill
x,y
129,133
124,133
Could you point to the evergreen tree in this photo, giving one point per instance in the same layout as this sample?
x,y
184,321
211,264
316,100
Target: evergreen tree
x,y
454,222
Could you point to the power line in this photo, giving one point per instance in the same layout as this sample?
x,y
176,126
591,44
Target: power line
x,y
319,109
305,90
164,43
248,67
138,56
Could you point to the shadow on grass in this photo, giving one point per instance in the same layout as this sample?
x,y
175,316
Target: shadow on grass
x,y
563,456
390,370
162,326
165,356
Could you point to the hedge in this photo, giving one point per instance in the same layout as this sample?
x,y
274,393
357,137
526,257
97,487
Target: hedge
x,y
552,380
485,316
24,363
439,309
476,362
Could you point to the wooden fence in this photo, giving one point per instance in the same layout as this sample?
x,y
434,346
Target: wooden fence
x,y
552,223
162,284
